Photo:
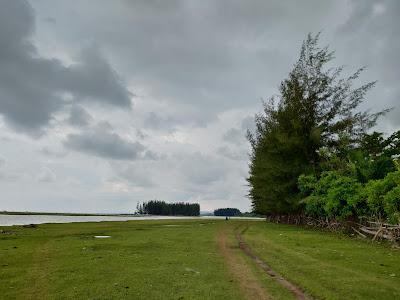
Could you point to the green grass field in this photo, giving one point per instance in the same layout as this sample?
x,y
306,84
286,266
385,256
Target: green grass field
x,y
327,265
189,259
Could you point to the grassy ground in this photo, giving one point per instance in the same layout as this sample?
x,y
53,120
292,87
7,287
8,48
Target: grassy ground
x,y
328,266
189,259
245,270
142,260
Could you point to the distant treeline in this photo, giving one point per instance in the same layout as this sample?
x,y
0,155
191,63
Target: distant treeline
x,y
227,212
156,207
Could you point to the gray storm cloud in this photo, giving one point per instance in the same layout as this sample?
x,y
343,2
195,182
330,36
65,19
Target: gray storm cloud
x,y
210,56
31,86
79,116
103,142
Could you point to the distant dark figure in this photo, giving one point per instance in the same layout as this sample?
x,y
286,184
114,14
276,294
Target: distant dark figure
x,y
226,218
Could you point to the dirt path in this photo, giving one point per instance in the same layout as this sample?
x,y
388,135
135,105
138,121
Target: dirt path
x,y
249,284
296,291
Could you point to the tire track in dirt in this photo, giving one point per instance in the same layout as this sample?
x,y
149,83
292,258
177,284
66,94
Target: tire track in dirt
x,y
295,290
249,284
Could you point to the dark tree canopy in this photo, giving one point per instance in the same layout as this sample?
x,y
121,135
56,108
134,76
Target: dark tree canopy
x,y
156,207
315,112
227,212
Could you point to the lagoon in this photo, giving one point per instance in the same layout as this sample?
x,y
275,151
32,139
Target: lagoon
x,y
11,220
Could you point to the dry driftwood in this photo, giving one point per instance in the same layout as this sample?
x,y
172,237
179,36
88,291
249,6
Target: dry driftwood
x,y
363,227
378,233
361,234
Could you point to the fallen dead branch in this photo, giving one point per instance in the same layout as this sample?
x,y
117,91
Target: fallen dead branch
x,y
361,234
375,230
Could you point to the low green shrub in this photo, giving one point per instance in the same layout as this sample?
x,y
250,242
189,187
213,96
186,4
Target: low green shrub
x,y
333,195
392,205
338,196
383,197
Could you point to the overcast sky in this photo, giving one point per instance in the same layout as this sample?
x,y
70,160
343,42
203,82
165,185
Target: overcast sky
x,y
106,103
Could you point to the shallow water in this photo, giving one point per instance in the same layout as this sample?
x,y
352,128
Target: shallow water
x,y
10,220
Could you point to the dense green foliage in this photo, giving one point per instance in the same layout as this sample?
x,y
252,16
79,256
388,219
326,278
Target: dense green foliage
x,y
161,208
383,197
311,150
365,183
227,212
333,195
